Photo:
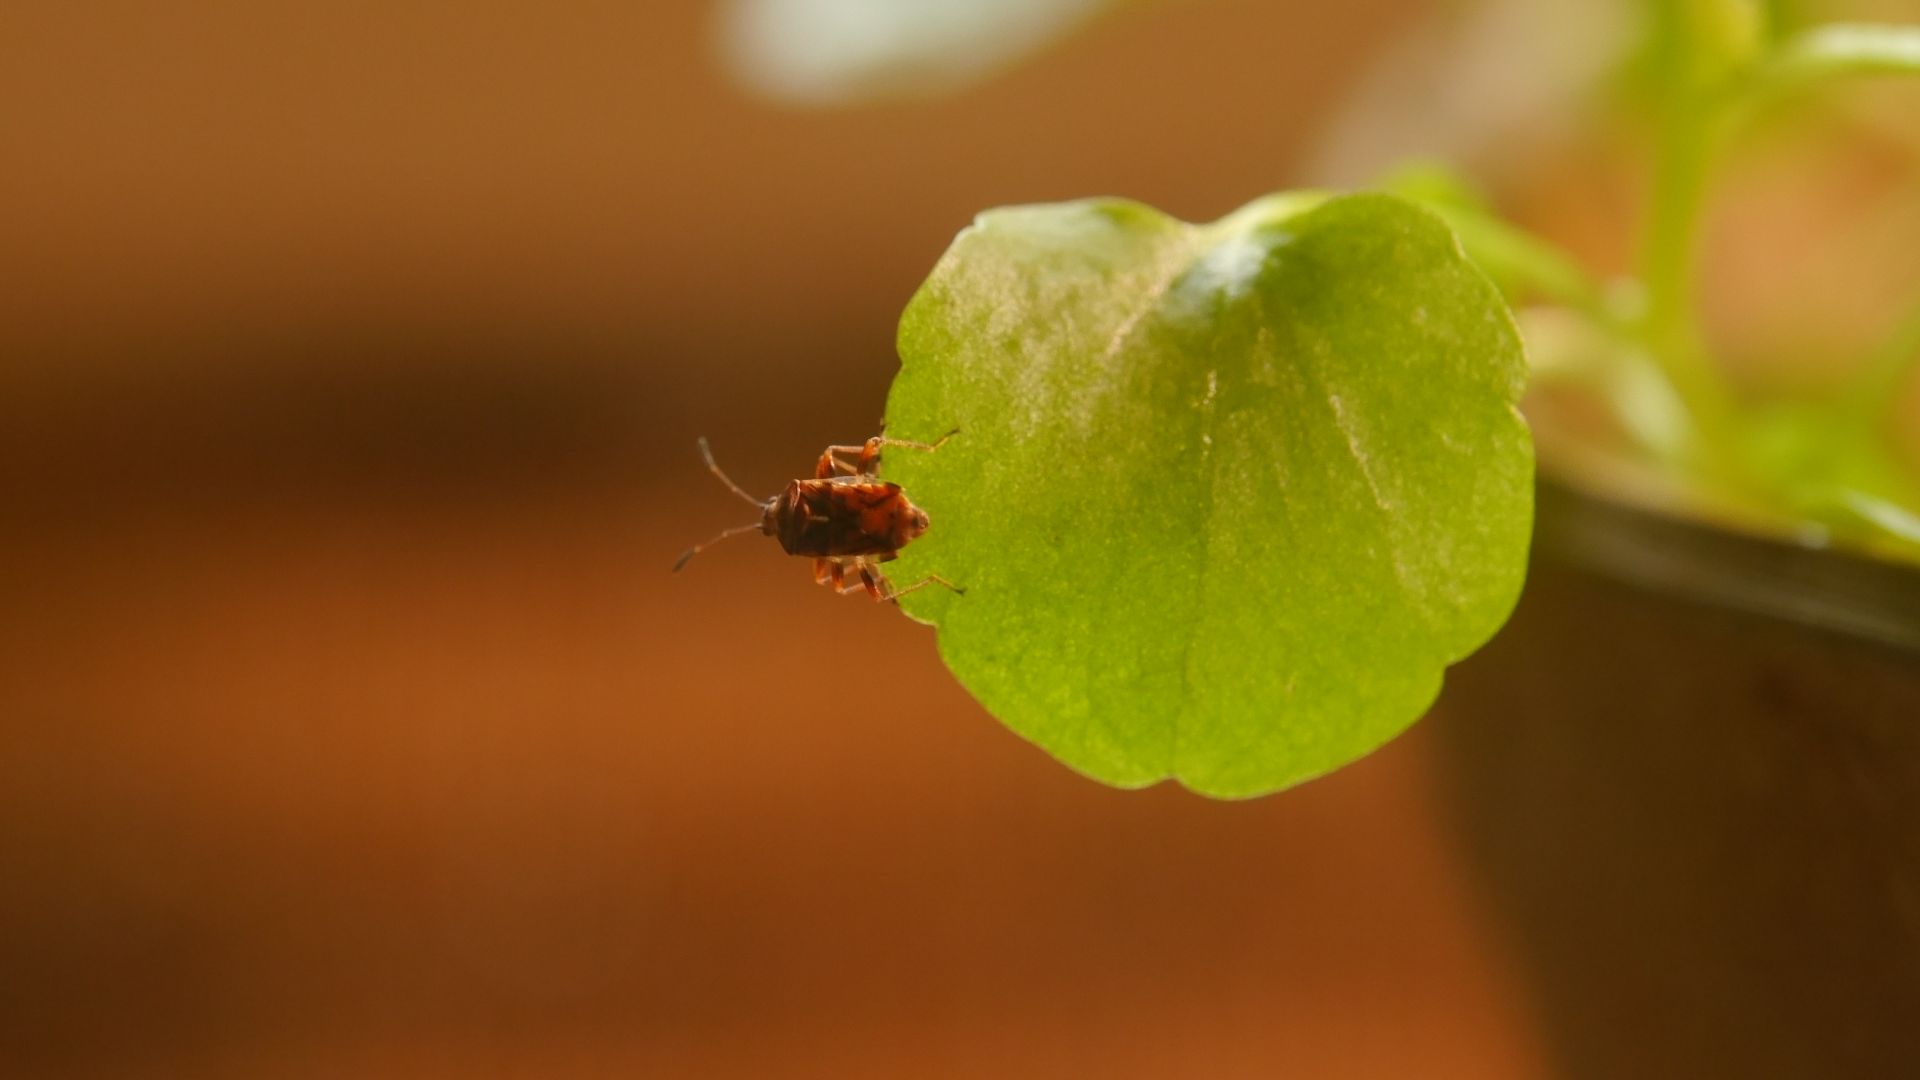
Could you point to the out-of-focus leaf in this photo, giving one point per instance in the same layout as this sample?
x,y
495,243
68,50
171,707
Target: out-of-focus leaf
x,y
1522,264
1822,466
1226,499
833,52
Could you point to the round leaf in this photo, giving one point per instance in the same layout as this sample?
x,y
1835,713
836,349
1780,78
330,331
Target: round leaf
x,y
1225,499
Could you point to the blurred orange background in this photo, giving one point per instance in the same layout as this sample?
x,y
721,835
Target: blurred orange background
x,y
351,361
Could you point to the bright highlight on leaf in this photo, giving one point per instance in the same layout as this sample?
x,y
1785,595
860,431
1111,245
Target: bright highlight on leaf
x,y
1227,498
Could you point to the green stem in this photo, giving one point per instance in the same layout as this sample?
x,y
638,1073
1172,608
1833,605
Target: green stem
x,y
1668,265
1688,138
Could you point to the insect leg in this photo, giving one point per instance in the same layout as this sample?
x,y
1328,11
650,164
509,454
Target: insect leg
x,y
870,453
821,571
911,445
875,584
843,586
830,465
930,579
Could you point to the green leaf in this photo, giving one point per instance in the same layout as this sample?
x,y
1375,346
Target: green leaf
x,y
1226,498
835,52
1841,49
1822,467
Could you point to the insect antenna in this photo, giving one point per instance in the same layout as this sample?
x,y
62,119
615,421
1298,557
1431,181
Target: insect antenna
x,y
714,467
698,548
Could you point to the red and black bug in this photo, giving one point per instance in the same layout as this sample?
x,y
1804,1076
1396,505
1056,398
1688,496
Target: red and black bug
x,y
845,518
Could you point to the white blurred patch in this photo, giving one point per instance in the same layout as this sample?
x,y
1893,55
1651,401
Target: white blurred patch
x,y
1479,86
836,52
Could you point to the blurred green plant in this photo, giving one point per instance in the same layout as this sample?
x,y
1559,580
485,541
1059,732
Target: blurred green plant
x,y
1821,467
1232,496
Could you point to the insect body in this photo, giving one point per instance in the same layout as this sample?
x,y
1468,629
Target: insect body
x,y
845,518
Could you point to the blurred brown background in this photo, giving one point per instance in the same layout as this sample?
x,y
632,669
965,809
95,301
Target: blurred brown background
x,y
351,359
